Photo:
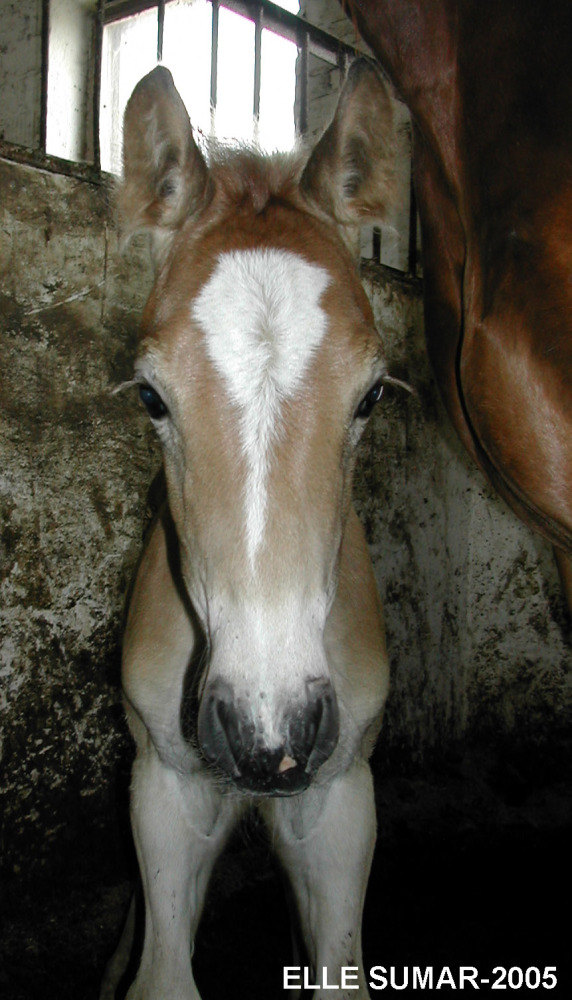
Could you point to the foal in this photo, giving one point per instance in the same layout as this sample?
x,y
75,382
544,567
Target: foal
x,y
254,663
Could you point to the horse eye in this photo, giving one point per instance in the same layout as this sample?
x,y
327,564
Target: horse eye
x,y
369,400
152,402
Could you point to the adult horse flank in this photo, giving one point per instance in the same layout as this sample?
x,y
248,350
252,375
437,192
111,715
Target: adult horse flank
x,y
489,88
254,664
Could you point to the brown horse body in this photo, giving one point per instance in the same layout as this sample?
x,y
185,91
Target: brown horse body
x,y
490,93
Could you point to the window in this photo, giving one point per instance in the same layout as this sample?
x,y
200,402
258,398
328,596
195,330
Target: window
x,y
235,72
246,70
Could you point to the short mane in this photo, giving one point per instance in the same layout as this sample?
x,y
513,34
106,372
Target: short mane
x,y
243,175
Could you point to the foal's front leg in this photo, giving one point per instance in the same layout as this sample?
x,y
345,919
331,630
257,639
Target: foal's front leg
x,y
325,839
179,825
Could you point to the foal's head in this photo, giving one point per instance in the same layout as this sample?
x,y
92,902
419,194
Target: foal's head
x,y
259,364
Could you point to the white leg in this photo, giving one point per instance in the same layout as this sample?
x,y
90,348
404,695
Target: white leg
x,y
117,965
325,839
179,824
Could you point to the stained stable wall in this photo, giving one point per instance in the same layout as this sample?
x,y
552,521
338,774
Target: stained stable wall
x,y
476,628
75,462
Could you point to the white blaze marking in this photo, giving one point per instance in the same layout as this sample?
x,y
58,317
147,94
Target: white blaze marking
x,y
262,321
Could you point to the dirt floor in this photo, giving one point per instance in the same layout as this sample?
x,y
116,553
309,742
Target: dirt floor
x,y
472,869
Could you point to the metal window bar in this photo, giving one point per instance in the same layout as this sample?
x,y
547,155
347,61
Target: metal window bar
x,y
258,18
160,27
304,50
99,20
214,58
44,83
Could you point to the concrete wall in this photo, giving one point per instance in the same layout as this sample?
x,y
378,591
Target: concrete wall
x,y
21,71
475,624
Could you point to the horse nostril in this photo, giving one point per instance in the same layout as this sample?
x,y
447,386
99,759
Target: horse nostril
x,y
218,729
227,719
314,733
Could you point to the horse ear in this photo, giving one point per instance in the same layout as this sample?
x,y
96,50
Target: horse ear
x,y
165,177
350,173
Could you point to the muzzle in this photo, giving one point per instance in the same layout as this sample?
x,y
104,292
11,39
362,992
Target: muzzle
x,y
232,743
